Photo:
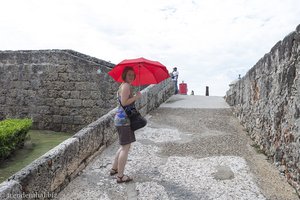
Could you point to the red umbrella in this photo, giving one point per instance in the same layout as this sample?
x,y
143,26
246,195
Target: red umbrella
x,y
147,71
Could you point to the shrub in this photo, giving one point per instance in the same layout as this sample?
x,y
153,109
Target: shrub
x,y
12,135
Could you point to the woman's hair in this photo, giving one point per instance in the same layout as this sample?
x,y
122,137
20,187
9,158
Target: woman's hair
x,y
126,69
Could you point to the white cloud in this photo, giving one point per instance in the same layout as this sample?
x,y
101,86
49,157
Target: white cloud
x,y
210,42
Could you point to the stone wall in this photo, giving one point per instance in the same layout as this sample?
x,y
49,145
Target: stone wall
x,y
267,102
50,173
59,89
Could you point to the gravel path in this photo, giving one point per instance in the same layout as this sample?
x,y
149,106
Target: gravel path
x,y
192,148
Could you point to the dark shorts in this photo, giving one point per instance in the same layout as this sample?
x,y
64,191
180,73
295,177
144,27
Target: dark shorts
x,y
126,135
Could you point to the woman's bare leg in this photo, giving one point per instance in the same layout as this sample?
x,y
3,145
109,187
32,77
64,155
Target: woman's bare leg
x,y
123,155
115,163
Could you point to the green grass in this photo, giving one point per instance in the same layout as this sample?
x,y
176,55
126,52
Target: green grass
x,y
39,143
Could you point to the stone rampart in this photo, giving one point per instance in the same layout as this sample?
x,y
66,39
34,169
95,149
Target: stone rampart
x,y
267,102
50,173
59,89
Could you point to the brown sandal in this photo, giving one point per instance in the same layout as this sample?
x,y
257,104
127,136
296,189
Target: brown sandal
x,y
113,171
120,179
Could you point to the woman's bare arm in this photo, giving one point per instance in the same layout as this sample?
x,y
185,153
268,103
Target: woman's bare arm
x,y
125,93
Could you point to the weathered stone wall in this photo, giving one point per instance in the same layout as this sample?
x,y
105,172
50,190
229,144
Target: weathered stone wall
x,y
267,102
59,89
50,173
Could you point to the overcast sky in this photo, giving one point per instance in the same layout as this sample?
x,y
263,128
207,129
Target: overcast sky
x,y
209,41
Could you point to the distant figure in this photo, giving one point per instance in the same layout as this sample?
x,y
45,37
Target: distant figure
x,y
175,79
207,91
192,93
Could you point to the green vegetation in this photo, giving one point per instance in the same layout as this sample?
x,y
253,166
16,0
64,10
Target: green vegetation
x,y
37,143
12,135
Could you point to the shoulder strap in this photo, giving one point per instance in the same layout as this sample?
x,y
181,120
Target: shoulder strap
x,y
120,103
132,105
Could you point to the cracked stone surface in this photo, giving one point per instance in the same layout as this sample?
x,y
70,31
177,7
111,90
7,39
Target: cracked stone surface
x,y
192,152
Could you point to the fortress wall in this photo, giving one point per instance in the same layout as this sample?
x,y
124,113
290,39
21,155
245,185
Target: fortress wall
x,y
267,102
59,89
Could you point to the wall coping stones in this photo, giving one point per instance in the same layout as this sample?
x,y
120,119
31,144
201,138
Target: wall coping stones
x,y
69,52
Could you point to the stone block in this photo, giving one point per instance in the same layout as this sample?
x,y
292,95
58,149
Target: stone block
x,y
73,103
59,102
2,100
36,177
49,102
62,76
64,111
66,157
55,85
60,68
68,128
74,76
69,86
93,86
43,109
65,94
3,91
53,93
83,78
75,111
54,110
87,137
100,102
95,95
50,76
81,86
13,93
67,119
57,119
42,92
88,103
75,94
85,94
36,117
25,85
110,131
79,120
10,190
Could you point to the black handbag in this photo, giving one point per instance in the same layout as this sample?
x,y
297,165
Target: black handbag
x,y
137,121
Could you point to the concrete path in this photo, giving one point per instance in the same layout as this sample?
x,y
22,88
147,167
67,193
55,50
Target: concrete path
x,y
192,148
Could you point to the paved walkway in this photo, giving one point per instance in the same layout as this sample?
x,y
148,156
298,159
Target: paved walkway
x,y
192,148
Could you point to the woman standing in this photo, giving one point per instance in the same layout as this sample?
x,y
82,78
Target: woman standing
x,y
126,135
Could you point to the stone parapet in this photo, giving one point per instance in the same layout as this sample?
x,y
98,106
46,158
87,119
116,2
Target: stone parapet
x,y
50,173
267,99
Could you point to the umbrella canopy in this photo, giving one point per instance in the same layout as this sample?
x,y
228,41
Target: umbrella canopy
x,y
147,71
